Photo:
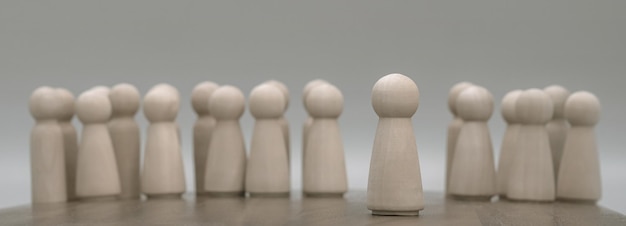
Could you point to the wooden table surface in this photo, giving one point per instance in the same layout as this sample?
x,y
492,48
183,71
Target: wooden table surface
x,y
350,210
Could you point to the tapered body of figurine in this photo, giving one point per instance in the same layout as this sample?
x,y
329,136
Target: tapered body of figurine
x,y
507,149
284,124
226,161
324,163
267,172
47,154
124,130
202,130
306,126
473,174
70,141
395,181
557,127
531,177
579,174
453,128
96,173
163,172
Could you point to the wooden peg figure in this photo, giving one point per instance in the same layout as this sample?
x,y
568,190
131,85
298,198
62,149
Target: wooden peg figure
x,y
324,164
226,161
202,130
163,171
124,130
453,128
395,181
557,127
508,147
473,174
96,173
70,140
282,120
267,172
531,177
306,126
47,159
579,174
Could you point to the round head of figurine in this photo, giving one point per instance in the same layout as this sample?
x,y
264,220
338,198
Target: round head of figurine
x,y
103,89
125,99
475,103
266,101
66,98
309,85
161,103
559,95
582,109
44,104
324,101
93,107
534,107
227,103
283,88
508,106
454,94
395,96
200,97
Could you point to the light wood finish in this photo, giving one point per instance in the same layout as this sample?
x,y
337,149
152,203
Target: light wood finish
x,y
163,172
299,210
96,171
531,177
267,172
473,172
395,181
454,127
70,141
507,149
306,126
124,130
226,161
324,163
202,130
47,154
557,126
579,175
284,124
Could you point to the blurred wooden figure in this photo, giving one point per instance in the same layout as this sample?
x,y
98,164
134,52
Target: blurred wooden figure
x,y
97,174
395,181
473,175
324,163
70,141
124,130
267,170
284,124
507,149
531,176
557,127
226,161
202,130
47,154
163,172
453,128
579,174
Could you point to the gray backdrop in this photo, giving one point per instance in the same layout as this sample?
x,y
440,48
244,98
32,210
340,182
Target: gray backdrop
x,y
501,45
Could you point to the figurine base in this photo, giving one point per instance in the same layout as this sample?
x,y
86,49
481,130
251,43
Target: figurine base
x,y
395,213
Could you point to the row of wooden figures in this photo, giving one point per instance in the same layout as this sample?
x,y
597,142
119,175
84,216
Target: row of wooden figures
x,y
542,158
106,160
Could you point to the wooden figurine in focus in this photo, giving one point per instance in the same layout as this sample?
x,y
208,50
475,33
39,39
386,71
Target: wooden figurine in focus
x,y
395,181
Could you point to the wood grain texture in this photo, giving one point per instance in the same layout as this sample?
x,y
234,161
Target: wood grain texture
x,y
350,210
